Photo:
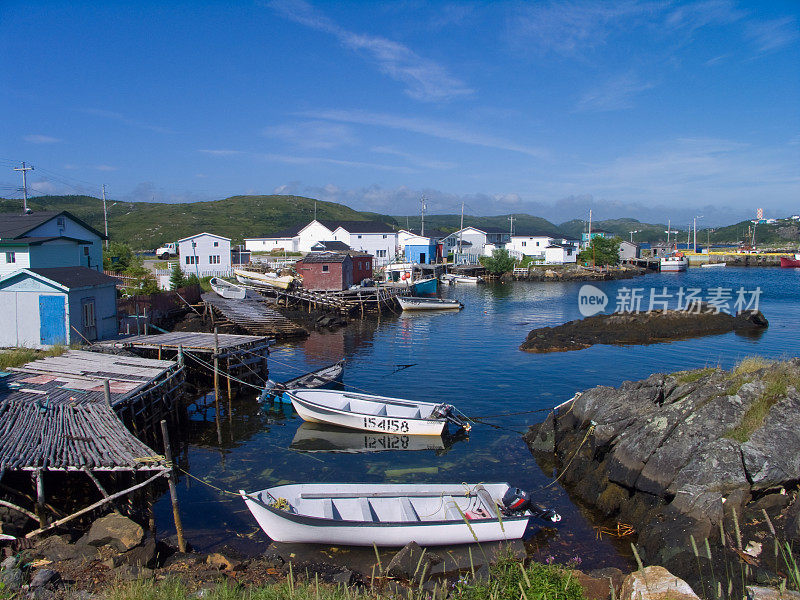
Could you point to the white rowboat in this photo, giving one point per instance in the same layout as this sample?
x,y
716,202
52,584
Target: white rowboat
x,y
324,377
452,278
374,413
417,303
363,514
263,279
718,265
226,289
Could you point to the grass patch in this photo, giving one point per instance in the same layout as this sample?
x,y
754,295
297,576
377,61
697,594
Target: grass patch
x,y
776,384
16,357
750,365
694,375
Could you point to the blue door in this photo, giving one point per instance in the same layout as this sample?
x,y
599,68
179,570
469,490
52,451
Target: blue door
x,y
52,320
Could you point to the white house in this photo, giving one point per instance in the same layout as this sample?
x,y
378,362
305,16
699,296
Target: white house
x,y
555,254
530,244
204,254
48,239
285,240
474,240
61,305
628,250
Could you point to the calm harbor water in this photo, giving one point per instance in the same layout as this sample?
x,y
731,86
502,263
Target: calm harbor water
x,y
470,359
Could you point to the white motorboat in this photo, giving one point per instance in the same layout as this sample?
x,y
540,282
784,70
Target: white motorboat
x,y
717,265
674,263
226,289
385,514
374,413
422,303
264,279
453,278
324,377
315,437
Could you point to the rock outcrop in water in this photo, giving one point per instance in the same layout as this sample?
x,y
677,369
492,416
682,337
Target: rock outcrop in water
x,y
640,328
676,455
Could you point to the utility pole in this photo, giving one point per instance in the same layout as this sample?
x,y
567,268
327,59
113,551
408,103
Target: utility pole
x,y
422,225
460,231
694,226
669,226
315,210
24,170
632,232
105,214
511,233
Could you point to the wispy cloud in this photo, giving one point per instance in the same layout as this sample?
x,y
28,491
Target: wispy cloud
x,y
40,139
414,159
309,160
426,127
695,15
615,94
313,134
425,80
772,35
125,120
220,152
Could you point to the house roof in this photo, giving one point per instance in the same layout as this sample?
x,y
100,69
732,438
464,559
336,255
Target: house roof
x,y
196,235
328,245
37,241
67,278
359,226
14,226
493,229
324,257
531,233
554,246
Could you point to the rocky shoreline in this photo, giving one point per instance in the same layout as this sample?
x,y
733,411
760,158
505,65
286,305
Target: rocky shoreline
x,y
578,273
640,328
706,459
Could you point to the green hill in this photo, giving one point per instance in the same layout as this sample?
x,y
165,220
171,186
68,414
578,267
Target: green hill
x,y
147,225
783,233
646,232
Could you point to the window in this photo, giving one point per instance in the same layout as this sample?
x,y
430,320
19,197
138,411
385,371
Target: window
x,y
194,244
523,244
380,253
537,244
89,319
213,259
384,237
359,237
11,257
86,250
191,260
325,268
216,244
61,222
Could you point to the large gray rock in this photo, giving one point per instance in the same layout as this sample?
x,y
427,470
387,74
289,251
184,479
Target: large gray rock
x,y
772,454
57,548
755,592
117,531
411,562
655,583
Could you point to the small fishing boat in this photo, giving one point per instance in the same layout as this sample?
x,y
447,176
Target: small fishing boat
x,y
674,262
415,303
453,278
264,279
717,265
374,413
390,514
321,378
226,289
790,263
315,437
425,286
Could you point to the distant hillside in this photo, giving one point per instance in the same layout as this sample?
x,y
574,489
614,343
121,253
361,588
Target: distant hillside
x,y
785,232
147,225
450,223
646,232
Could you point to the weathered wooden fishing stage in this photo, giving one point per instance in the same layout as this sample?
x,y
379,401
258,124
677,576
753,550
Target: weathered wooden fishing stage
x,y
346,302
85,412
251,314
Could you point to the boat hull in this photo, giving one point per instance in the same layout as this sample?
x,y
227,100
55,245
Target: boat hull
x,y
718,265
283,526
411,303
227,289
674,266
790,263
321,412
262,279
425,286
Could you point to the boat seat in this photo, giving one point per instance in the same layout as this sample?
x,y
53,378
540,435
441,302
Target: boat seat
x,y
367,512
329,510
409,513
345,406
381,411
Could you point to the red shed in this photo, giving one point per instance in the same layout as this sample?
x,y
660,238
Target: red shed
x,y
326,271
362,266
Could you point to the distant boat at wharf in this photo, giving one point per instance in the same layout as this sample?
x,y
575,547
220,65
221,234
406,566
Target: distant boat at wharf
x,y
321,378
454,278
369,412
716,265
790,263
264,279
226,289
674,263
417,303
387,514
428,285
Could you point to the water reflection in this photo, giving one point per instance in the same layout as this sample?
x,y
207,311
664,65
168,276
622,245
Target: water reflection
x,y
315,437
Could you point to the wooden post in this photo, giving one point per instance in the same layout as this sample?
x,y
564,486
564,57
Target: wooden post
x,y
107,391
180,355
173,494
159,352
216,385
40,501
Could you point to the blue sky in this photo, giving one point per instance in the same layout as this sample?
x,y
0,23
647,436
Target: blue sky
x,y
633,108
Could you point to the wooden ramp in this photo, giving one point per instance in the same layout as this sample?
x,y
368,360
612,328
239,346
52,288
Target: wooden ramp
x,y
254,315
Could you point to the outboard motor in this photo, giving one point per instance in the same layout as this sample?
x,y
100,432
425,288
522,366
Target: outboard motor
x,y
447,412
516,500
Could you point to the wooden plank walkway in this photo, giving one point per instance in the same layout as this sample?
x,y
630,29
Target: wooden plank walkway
x,y
254,315
190,341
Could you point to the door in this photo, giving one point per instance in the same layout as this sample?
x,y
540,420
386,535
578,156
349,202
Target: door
x,y
52,320
88,319
422,258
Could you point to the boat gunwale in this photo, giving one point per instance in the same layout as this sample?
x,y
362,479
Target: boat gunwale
x,y
340,364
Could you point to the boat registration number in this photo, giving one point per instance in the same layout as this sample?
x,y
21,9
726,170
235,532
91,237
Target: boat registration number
x,y
386,442
391,425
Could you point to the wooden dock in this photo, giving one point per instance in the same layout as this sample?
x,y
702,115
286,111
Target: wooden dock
x,y
253,314
241,357
79,413
346,302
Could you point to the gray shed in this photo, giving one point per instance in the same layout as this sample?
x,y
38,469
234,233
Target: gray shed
x,y
62,305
